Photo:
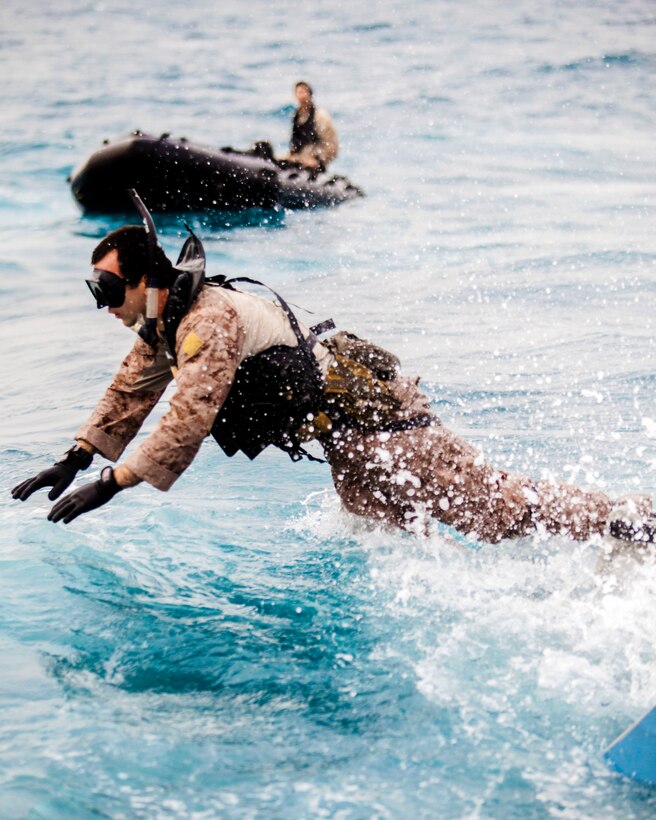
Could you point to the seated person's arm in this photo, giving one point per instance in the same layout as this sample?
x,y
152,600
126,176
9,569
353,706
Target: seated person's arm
x,y
327,148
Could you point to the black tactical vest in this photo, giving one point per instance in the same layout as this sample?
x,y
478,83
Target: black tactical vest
x,y
303,133
274,391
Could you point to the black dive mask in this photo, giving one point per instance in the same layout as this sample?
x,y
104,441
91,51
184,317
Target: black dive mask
x,y
107,288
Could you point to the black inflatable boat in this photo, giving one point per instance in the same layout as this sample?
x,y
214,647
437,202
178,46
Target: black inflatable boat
x,y
178,175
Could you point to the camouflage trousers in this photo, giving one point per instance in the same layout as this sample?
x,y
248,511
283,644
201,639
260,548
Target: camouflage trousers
x,y
397,477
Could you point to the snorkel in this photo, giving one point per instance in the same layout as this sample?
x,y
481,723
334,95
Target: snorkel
x,y
149,331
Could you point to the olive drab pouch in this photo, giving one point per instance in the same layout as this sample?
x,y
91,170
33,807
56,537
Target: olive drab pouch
x,y
383,364
358,390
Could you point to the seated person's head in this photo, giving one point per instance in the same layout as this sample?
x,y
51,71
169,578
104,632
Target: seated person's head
x,y
303,92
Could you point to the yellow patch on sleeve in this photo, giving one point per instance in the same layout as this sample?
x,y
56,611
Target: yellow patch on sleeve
x,y
192,344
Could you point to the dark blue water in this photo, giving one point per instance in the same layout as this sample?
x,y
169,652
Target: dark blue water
x,y
239,647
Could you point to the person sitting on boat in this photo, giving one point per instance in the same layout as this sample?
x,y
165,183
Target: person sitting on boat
x,y
314,141
249,374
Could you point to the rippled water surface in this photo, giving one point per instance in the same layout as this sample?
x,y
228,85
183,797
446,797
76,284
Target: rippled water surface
x,y
239,647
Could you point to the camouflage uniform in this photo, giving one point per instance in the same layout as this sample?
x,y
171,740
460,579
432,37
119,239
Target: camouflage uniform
x,y
390,476
398,476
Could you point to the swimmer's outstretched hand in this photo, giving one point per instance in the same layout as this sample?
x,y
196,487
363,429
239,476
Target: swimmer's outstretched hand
x,y
59,476
87,498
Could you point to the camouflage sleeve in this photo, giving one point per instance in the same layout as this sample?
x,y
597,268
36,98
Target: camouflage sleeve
x,y
137,387
209,347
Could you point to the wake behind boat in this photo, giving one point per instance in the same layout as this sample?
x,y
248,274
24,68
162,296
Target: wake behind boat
x,y
178,175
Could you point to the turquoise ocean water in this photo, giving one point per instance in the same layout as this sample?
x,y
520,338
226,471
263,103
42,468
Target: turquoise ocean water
x,y
239,647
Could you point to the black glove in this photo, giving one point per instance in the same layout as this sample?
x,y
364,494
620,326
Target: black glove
x,y
59,476
85,499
